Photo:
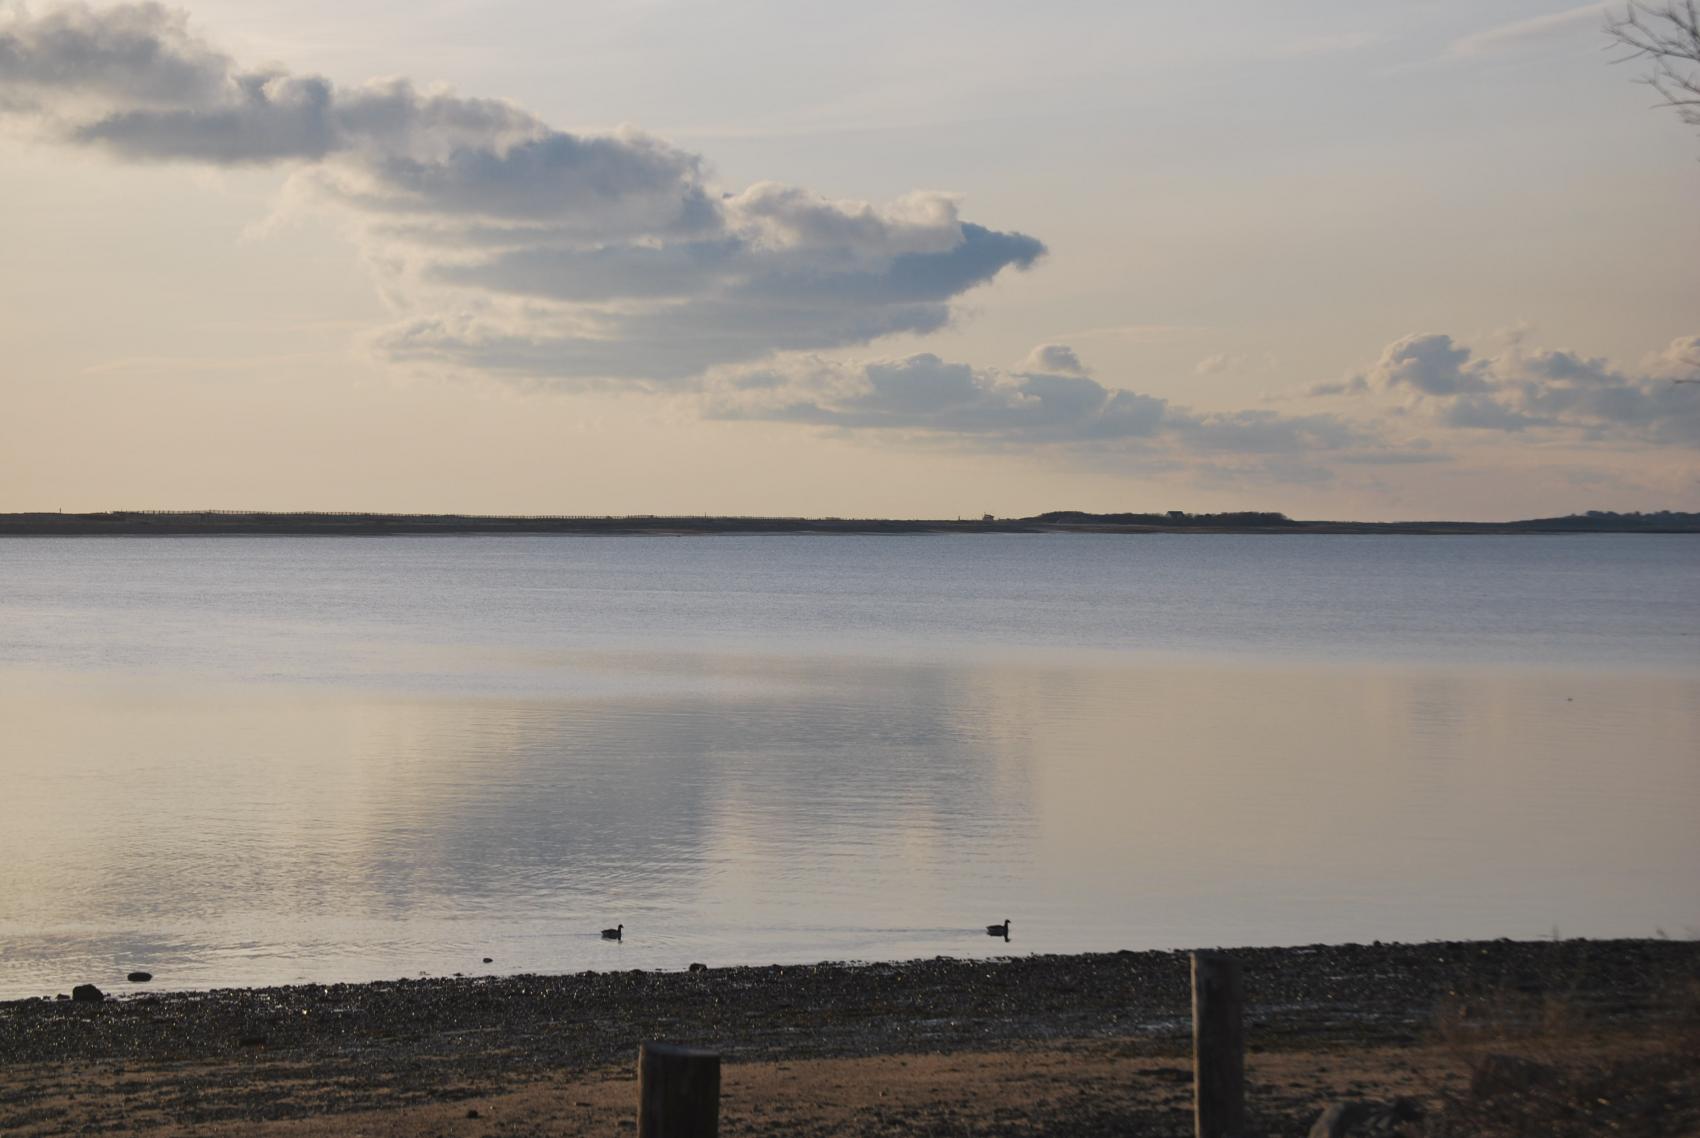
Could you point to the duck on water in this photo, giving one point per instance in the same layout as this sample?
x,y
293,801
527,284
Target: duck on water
x,y
999,930
615,933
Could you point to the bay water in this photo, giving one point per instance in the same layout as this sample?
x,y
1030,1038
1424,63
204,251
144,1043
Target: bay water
x,y
234,761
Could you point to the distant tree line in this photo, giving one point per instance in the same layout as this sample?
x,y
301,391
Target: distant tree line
x,y
1173,521
1171,518
1611,520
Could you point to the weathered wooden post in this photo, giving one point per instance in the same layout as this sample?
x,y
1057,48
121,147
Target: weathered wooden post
x,y
678,1092
1218,1048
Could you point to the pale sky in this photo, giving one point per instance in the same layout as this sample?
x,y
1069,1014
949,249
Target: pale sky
x,y
1395,259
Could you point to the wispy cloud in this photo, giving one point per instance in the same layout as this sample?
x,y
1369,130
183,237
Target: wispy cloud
x,y
1217,363
1521,33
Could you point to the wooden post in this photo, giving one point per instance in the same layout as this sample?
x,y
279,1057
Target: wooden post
x,y
1218,1048
678,1092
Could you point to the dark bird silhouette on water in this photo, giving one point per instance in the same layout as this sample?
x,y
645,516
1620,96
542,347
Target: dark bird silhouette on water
x,y
616,933
999,930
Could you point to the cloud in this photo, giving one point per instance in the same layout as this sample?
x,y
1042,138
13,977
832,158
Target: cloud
x,y
1218,363
1354,386
1680,359
925,393
657,345
1520,33
515,247
1485,413
1432,365
928,396
519,250
1560,392
1058,359
138,53
1268,432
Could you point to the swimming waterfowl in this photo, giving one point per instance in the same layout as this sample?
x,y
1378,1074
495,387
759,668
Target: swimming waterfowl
x,y
999,930
614,933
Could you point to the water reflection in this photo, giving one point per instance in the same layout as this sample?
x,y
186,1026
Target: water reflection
x,y
757,807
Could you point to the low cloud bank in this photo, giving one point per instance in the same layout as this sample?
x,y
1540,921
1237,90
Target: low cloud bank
x,y
1559,392
925,395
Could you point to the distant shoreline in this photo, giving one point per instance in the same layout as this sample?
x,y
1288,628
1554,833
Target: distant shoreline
x,y
312,524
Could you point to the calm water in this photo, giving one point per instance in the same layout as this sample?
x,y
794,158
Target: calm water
x,y
235,761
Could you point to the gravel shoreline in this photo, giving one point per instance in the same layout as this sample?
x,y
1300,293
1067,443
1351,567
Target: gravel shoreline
x,y
371,1046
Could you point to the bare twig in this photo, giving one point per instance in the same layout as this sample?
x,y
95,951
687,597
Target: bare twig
x,y
1667,34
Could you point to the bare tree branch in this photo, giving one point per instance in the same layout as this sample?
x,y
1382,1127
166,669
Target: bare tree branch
x,y
1667,34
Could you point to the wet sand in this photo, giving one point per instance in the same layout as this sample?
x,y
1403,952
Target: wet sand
x,y
1031,1045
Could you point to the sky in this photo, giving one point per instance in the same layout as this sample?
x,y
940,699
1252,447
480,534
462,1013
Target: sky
x,y
1402,259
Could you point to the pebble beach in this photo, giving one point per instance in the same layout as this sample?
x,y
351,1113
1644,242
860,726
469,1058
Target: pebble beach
x,y
465,1053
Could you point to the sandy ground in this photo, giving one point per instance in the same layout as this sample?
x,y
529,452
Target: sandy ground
x,y
1082,1046
1086,1087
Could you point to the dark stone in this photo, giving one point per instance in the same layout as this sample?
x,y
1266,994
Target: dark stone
x,y
61,996
139,977
472,1112
87,994
1394,1119
699,968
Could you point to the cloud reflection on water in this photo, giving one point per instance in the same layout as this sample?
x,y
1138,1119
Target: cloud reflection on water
x,y
753,808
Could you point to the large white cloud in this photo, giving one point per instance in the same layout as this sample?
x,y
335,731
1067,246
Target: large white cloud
x,y
519,248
